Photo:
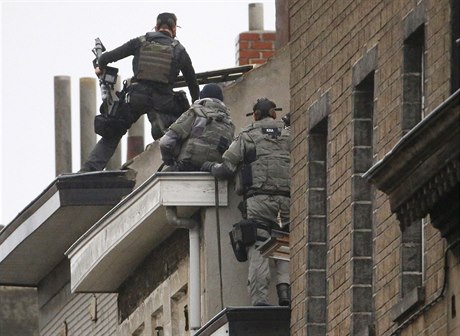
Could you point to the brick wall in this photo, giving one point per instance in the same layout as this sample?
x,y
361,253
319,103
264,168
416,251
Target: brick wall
x,y
327,40
255,47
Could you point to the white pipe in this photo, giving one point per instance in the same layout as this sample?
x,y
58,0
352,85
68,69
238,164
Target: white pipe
x,y
194,282
194,264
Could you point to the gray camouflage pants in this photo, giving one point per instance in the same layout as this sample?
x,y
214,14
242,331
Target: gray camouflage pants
x,y
267,209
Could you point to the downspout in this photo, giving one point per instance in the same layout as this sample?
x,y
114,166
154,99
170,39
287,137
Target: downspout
x,y
193,227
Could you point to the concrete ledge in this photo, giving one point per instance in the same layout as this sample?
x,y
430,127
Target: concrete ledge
x,y
35,241
255,321
107,253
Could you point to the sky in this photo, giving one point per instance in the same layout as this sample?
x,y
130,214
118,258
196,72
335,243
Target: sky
x,y
44,39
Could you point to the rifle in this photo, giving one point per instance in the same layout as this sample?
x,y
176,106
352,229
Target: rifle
x,y
107,80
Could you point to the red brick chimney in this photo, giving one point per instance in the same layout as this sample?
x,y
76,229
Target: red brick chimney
x,y
256,45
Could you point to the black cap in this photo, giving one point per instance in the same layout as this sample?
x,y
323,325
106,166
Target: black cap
x,y
168,19
264,105
212,90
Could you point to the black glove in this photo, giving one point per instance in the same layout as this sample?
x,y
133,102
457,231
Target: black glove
x,y
169,162
207,166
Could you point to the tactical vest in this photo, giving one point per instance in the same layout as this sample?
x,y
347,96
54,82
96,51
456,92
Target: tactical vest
x,y
266,162
211,135
155,61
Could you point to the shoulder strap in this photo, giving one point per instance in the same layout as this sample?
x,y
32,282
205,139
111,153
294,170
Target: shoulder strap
x,y
199,111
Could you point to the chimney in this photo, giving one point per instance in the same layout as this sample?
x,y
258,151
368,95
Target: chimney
x,y
87,112
136,138
62,125
256,45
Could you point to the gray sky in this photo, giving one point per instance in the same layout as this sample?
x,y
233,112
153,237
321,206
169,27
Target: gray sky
x,y
41,40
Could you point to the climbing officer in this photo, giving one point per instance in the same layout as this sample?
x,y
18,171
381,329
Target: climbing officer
x,y
158,60
260,155
203,133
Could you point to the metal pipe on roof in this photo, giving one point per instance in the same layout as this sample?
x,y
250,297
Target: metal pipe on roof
x,y
256,16
88,108
62,125
136,138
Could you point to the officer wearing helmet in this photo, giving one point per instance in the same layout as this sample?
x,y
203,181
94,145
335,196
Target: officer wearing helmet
x,y
260,158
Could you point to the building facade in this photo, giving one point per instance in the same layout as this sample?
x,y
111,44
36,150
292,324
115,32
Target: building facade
x,y
364,74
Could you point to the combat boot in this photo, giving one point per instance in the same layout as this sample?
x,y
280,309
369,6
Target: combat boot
x,y
284,294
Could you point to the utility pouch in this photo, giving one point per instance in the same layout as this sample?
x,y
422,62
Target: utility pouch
x,y
245,231
238,248
243,179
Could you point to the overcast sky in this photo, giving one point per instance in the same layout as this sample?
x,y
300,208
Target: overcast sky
x,y
41,40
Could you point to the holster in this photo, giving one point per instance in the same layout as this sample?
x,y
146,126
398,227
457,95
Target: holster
x,y
109,127
244,233
238,248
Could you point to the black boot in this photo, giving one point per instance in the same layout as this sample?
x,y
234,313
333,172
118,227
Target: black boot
x,y
284,294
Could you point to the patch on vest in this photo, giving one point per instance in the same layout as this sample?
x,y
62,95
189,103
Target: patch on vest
x,y
273,132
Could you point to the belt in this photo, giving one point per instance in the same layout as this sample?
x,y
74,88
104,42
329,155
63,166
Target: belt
x,y
250,194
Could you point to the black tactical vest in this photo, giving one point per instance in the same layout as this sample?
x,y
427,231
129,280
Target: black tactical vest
x,y
155,61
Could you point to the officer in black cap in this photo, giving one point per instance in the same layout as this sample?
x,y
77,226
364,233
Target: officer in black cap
x,y
158,58
260,157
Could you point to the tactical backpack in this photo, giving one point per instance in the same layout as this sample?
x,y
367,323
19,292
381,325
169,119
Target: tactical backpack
x,y
211,134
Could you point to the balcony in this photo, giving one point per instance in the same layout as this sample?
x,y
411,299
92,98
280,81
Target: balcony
x,y
108,253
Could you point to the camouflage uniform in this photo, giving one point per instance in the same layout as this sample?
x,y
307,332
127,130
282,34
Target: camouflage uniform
x,y
260,157
203,133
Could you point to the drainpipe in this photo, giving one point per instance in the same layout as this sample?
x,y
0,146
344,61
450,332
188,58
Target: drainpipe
x,y
194,263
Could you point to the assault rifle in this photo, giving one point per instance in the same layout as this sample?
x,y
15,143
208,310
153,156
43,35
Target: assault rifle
x,y
107,80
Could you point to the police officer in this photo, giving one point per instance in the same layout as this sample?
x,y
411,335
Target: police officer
x,y
158,59
203,133
260,155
